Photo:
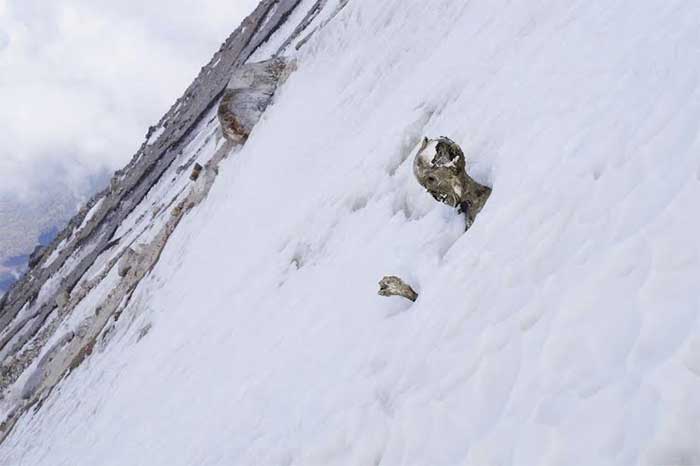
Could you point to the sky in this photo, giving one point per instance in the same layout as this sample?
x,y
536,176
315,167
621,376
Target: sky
x,y
82,80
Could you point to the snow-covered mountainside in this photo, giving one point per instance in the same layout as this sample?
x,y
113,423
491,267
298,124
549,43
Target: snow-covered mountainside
x,y
229,314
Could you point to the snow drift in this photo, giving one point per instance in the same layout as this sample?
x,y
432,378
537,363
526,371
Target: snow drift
x,y
561,328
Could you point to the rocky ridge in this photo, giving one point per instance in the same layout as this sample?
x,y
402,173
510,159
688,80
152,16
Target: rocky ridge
x,y
55,316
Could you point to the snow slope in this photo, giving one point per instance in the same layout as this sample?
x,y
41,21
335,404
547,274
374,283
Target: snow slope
x,y
561,329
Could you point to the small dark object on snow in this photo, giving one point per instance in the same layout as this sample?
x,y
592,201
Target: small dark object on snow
x,y
196,170
440,167
394,286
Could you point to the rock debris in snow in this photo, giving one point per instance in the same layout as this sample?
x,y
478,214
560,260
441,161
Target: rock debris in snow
x,y
393,286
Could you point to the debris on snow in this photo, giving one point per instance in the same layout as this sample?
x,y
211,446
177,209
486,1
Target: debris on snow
x,y
196,170
393,286
440,167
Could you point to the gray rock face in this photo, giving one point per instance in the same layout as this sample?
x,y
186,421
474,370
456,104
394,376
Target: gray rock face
x,y
42,369
36,255
440,167
62,299
394,286
246,97
128,260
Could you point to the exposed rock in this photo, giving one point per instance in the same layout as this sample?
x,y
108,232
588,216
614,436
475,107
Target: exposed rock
x,y
73,348
196,170
114,184
128,260
246,97
36,256
62,298
131,184
440,168
394,286
37,378
320,4
29,315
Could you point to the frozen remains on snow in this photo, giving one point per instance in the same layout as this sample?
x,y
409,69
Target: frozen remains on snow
x,y
440,167
394,286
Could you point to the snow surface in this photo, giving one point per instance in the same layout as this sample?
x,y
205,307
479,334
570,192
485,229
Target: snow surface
x,y
561,329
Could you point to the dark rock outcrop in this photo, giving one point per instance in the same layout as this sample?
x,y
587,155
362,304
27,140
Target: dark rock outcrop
x,y
36,255
129,259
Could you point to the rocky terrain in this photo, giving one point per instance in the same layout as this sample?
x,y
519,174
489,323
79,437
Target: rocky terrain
x,y
44,328
31,222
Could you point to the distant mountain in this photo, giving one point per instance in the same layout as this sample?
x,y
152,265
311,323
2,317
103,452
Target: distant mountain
x,y
26,222
6,280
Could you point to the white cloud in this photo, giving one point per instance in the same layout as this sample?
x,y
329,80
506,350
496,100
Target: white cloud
x,y
81,80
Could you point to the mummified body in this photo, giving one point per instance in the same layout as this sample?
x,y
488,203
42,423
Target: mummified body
x,y
440,168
